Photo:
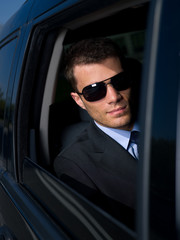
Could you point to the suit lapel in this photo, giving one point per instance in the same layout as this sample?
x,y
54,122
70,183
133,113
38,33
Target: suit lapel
x,y
118,164
111,151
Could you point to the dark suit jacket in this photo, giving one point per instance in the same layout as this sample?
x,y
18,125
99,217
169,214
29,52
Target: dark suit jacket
x,y
100,169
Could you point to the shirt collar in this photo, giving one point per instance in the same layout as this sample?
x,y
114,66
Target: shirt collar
x,y
120,136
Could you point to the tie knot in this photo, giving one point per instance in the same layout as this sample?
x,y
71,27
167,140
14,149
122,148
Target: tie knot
x,y
134,137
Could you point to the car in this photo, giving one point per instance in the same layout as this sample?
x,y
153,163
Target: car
x,y
38,118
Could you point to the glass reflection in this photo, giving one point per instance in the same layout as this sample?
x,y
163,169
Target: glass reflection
x,y
6,58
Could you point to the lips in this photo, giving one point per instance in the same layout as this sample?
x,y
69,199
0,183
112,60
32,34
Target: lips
x,y
118,110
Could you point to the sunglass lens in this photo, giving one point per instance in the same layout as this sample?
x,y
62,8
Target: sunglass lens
x,y
94,93
121,81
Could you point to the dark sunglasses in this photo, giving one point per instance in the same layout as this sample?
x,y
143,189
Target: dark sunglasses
x,y
97,91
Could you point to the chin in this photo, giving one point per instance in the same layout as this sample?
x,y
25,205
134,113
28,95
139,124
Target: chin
x,y
124,125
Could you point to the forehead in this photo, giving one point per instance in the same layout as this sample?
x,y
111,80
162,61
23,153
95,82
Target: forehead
x,y
91,73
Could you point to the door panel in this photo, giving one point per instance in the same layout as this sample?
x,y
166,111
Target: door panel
x,y
81,219
23,215
160,95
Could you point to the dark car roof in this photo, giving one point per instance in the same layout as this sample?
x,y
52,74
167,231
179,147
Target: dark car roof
x,y
32,9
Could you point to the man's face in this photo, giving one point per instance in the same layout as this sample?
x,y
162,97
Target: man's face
x,y
114,109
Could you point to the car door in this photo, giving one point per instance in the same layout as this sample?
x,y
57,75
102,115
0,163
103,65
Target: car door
x,y
160,153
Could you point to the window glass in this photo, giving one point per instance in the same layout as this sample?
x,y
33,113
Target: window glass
x,y
162,158
6,58
164,129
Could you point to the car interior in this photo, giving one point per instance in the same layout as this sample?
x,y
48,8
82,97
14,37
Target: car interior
x,y
61,119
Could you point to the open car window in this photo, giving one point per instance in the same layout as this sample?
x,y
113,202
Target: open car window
x,y
130,39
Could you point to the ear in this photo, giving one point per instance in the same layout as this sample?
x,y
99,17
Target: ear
x,y
78,100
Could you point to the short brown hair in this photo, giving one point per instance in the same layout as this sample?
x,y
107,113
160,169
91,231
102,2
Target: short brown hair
x,y
89,51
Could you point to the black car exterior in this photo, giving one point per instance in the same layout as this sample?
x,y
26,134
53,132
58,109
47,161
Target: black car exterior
x,y
34,204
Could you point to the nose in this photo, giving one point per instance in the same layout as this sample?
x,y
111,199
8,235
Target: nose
x,y
112,95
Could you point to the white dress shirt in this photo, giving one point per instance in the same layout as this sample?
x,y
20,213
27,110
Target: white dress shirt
x,y
122,137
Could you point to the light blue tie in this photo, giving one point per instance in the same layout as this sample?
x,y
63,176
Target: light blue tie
x,y
133,144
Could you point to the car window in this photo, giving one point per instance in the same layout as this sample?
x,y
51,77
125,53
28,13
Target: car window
x,y
6,58
75,119
131,42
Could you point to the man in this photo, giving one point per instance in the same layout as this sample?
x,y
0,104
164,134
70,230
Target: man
x,y
100,164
